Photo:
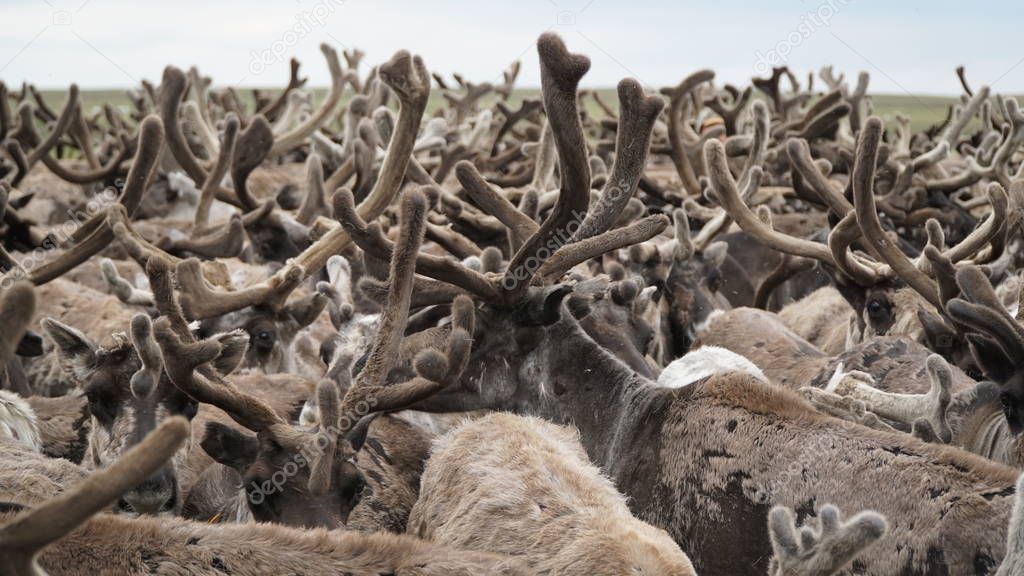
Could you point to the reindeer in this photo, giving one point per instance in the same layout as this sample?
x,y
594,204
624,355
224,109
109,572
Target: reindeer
x,y
57,535
325,487
655,442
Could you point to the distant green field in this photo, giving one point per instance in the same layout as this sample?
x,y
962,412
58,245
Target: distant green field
x,y
922,110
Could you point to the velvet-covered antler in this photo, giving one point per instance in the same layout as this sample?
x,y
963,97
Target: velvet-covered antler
x,y
24,536
808,552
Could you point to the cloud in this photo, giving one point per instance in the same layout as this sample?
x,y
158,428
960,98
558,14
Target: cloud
x,y
115,43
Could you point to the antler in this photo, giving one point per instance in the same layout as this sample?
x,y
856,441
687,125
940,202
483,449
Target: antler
x,y
17,307
32,530
435,370
867,218
561,72
822,552
182,361
981,310
909,408
632,143
123,289
298,135
100,235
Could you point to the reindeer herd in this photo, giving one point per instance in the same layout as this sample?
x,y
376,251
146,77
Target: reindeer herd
x,y
719,330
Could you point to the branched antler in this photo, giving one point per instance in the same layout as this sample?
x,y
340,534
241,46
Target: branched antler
x,y
808,552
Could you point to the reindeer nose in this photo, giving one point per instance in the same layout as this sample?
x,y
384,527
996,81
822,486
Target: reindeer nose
x,y
155,495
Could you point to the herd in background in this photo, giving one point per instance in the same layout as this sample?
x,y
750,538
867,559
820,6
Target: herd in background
x,y
712,331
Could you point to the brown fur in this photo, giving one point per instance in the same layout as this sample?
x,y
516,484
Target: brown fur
x,y
706,462
100,315
822,318
27,476
762,338
112,545
392,461
64,425
525,487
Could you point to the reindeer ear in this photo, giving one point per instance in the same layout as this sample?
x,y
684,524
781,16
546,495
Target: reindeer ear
x,y
854,294
230,447
544,306
21,201
305,311
357,436
288,197
76,351
991,358
716,253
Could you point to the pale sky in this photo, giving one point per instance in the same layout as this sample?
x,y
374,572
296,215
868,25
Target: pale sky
x,y
906,46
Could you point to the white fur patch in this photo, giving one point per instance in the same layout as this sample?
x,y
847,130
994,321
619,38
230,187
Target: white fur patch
x,y
18,421
703,362
184,186
707,323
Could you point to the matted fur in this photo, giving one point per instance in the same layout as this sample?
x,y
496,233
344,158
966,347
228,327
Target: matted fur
x,y
941,503
523,486
170,546
708,461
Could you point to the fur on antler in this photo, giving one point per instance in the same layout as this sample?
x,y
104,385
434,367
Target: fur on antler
x,y
28,533
99,235
805,551
298,135
909,408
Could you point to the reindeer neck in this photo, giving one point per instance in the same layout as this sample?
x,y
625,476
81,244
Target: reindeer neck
x,y
588,387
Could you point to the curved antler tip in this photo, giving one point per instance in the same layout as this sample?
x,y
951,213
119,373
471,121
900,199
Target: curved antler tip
x,y
554,53
141,325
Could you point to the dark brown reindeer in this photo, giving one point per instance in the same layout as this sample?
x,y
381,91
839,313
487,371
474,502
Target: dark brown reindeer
x,y
707,461
884,292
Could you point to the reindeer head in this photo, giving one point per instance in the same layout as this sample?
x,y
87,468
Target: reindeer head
x,y
689,275
271,332
996,339
129,396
